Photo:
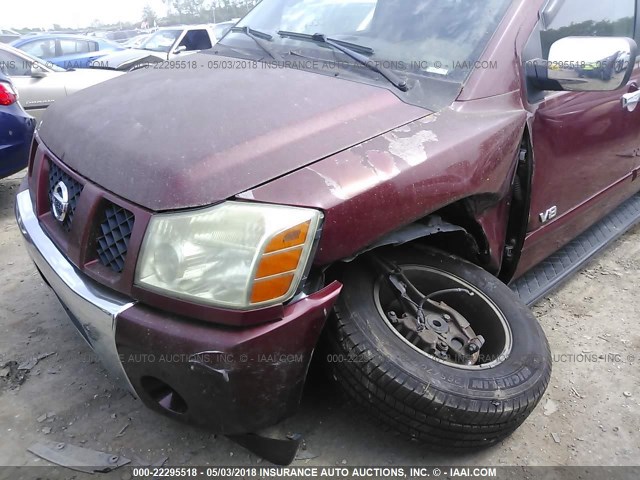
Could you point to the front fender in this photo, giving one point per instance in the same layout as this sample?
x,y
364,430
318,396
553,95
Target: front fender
x,y
390,181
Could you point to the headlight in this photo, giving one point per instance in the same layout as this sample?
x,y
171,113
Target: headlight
x,y
235,255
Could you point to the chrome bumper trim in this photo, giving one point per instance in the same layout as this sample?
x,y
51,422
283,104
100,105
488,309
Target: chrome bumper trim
x,y
92,308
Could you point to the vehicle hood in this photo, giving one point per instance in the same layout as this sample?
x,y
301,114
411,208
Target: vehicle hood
x,y
171,139
122,58
75,80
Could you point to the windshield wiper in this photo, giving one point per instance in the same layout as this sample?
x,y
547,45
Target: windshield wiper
x,y
305,36
259,38
352,50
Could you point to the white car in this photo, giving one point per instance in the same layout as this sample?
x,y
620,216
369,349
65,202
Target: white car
x,y
166,44
42,84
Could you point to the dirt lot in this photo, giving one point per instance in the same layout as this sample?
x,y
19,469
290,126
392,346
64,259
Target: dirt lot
x,y
590,414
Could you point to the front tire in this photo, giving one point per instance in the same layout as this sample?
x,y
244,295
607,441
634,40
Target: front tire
x,y
446,405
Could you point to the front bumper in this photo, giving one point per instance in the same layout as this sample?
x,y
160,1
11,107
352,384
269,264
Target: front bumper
x,y
93,309
230,380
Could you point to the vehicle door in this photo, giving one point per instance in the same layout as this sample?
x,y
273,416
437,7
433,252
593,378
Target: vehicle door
x,y
44,48
586,146
77,53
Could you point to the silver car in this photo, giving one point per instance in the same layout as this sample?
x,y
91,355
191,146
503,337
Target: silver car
x,y
40,84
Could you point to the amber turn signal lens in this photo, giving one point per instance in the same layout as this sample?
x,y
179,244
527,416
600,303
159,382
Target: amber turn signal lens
x,y
270,288
279,262
289,238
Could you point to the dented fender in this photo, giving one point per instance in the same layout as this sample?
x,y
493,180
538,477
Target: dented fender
x,y
388,182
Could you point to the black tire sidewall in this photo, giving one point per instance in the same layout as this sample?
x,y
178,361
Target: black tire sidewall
x,y
527,366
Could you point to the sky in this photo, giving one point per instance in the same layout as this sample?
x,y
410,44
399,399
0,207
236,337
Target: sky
x,y
73,13
80,13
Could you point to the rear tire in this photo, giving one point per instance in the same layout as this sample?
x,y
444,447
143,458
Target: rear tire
x,y
435,402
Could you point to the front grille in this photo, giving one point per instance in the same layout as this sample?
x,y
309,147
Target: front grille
x,y
74,188
115,232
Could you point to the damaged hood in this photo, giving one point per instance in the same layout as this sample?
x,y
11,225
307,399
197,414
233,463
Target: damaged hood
x,y
172,139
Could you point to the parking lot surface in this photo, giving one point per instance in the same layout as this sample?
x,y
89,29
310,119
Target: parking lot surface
x,y
590,414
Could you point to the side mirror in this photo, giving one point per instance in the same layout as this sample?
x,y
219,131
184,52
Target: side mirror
x,y
37,71
180,49
585,64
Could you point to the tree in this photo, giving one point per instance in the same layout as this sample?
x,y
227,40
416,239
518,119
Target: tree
x,y
149,15
605,28
204,11
187,9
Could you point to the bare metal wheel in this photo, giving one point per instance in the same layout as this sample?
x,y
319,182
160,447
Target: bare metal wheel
x,y
416,304
436,348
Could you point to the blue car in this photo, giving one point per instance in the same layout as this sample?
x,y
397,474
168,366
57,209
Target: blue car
x,y
16,130
67,51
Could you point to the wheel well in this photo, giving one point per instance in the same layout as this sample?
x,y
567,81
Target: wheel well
x,y
520,209
452,229
469,240
470,243
463,235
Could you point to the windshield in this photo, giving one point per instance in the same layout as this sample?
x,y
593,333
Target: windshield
x,y
161,41
328,17
440,38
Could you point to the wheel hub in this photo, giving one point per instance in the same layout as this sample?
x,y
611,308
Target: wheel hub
x,y
440,335
432,326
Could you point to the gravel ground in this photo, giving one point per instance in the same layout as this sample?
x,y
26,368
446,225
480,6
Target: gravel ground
x,y
590,414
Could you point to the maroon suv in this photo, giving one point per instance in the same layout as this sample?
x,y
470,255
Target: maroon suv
x,y
368,175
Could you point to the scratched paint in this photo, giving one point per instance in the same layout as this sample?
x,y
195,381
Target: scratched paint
x,y
333,186
411,149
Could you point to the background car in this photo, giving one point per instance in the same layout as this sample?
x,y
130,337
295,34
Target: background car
x,y
137,41
8,35
622,62
16,130
119,36
40,85
165,44
221,29
602,69
67,51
